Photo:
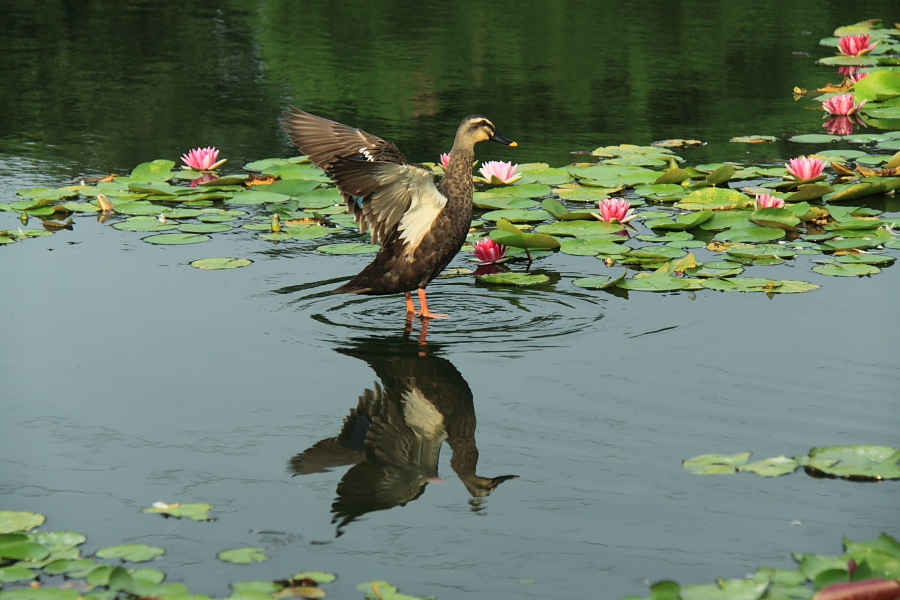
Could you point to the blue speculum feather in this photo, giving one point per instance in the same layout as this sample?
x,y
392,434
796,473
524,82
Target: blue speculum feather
x,y
359,200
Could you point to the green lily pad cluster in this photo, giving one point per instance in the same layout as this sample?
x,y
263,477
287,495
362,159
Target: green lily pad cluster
x,y
864,462
878,558
53,559
697,226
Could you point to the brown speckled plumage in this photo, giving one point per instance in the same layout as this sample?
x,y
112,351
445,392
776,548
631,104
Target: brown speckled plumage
x,y
420,227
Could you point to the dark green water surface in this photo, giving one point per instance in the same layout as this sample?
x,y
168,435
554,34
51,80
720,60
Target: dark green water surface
x,y
128,377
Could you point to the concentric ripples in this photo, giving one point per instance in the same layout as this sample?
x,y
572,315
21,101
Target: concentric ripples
x,y
510,317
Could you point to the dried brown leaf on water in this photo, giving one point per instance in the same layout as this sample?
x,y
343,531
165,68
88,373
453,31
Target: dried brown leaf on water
x,y
868,589
841,169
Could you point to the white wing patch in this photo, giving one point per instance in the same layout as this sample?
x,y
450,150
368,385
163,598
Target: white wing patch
x,y
365,152
426,203
422,416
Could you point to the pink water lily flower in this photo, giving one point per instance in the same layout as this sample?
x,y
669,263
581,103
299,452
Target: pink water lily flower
x,y
842,104
767,201
202,159
854,77
847,71
495,171
615,210
445,160
856,45
805,167
842,125
487,251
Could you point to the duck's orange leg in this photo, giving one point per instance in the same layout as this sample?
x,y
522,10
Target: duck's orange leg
x,y
425,314
410,307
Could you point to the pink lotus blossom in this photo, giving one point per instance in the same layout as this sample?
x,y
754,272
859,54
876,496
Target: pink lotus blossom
x,y
203,179
445,160
842,104
202,159
491,269
847,71
856,45
496,172
615,210
842,125
857,76
487,251
767,201
805,167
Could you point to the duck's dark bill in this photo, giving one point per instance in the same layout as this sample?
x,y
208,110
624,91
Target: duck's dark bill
x,y
503,140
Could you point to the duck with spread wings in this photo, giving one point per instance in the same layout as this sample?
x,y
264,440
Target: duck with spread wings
x,y
420,226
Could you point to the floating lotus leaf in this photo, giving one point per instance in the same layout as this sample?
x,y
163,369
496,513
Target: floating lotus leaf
x,y
854,61
672,176
517,215
771,467
382,590
652,282
590,246
602,171
843,193
203,198
877,85
216,218
198,511
317,576
863,461
657,253
713,198
560,212
809,191
776,218
11,521
751,235
705,271
686,244
856,243
727,219
259,165
510,235
139,208
599,283
157,169
579,228
131,552
721,175
519,279
846,270
58,540
320,198
58,567
13,574
548,176
205,227
883,543
349,248
583,194
815,138
255,197
309,232
171,239
764,251
646,176
865,259
288,187
753,139
183,213
671,236
528,190
39,593
488,202
681,222
855,224
243,556
715,464
276,237
17,546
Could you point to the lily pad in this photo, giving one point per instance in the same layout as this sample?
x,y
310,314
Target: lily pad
x,y
197,511
599,283
382,590
13,574
751,235
131,552
653,282
771,467
244,556
579,228
713,198
157,169
256,197
590,246
518,279
349,248
11,521
309,232
681,222
205,227
858,461
39,593
759,284
17,546
846,270
715,464
145,225
173,239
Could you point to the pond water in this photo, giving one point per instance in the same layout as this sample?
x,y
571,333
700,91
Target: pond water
x,y
129,377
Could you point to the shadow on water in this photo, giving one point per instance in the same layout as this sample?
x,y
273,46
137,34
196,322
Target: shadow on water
x,y
393,437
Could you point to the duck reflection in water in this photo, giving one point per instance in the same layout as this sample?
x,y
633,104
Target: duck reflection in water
x,y
394,435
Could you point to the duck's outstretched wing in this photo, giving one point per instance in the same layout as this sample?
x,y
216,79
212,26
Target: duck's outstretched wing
x,y
324,140
391,197
382,190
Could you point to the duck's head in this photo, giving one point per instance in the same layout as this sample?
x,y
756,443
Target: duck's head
x,y
478,128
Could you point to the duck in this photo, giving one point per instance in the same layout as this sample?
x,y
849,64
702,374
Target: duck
x,y
419,225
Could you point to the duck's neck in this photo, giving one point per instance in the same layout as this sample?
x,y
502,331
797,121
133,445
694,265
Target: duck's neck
x,y
457,180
